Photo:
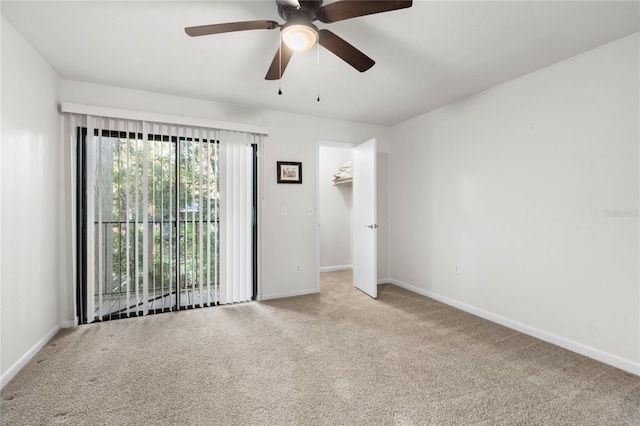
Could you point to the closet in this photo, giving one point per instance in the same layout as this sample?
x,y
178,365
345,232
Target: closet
x,y
335,202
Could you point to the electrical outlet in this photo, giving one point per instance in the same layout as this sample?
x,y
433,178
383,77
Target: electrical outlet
x,y
283,211
298,269
456,268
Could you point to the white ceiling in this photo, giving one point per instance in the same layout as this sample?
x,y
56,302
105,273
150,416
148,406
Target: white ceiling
x,y
426,56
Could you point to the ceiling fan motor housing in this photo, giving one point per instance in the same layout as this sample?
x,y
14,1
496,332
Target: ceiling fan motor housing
x,y
306,12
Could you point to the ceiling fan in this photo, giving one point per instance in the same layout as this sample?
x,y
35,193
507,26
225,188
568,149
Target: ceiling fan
x,y
298,33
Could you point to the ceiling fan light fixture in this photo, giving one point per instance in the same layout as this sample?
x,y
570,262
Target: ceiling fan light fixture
x,y
299,37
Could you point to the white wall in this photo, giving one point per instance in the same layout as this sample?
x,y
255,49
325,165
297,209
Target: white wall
x,y
334,209
285,240
293,137
382,210
31,225
515,185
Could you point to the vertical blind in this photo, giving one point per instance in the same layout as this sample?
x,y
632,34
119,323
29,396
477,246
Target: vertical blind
x,y
168,216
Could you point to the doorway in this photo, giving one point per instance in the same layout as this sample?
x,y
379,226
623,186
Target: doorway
x,y
346,199
335,201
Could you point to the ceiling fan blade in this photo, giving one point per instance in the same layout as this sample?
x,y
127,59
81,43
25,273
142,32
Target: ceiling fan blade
x,y
230,27
347,9
278,65
345,51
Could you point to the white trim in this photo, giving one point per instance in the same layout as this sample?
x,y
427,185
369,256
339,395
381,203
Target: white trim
x,y
335,268
335,144
317,218
588,351
15,368
384,281
289,294
259,218
160,118
69,323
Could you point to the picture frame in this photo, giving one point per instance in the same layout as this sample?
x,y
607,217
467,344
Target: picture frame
x,y
289,172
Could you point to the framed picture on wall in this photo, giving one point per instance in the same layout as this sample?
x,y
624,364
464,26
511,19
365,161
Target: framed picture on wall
x,y
289,172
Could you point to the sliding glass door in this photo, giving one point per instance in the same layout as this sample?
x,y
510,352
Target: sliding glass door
x,y
150,209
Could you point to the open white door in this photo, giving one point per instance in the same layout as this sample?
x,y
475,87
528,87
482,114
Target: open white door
x,y
365,268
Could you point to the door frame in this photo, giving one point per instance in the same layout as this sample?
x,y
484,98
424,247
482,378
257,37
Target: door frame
x,y
329,144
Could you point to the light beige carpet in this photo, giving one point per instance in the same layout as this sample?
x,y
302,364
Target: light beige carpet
x,y
336,358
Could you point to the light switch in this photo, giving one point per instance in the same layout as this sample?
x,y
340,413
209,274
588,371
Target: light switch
x,y
283,212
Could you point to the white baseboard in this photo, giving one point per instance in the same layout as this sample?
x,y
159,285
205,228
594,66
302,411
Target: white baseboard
x,y
335,268
289,294
69,323
588,351
384,281
15,368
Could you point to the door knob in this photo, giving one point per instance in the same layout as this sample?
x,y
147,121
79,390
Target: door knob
x,y
374,226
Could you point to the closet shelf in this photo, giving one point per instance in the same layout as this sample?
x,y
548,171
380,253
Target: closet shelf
x,y
344,175
343,181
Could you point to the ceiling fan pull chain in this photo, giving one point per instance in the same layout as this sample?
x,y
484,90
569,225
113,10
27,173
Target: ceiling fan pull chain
x,y
318,73
280,66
